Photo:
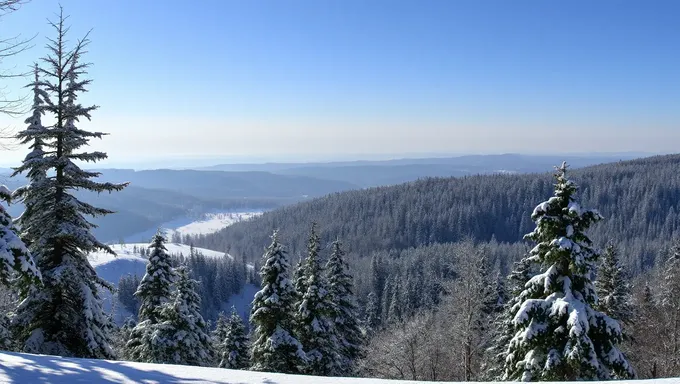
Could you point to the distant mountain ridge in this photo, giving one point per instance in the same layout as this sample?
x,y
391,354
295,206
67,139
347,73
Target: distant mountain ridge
x,y
370,173
158,196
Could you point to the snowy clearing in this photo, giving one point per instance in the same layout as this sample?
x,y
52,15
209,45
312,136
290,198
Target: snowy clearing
x,y
203,224
127,252
212,222
25,368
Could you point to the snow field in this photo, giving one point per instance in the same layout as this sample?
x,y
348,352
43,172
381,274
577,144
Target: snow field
x,y
212,222
126,252
21,368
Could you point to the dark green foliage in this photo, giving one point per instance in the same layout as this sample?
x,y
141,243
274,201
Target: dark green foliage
x,y
560,337
154,291
314,324
155,288
233,348
221,277
219,333
183,334
372,318
64,316
274,348
344,314
127,286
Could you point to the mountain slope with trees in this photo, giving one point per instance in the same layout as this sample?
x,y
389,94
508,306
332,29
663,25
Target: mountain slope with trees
x,y
638,198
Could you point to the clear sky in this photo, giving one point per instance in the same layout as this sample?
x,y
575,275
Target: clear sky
x,y
341,78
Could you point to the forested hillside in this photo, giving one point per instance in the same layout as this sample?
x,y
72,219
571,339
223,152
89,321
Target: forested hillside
x,y
639,200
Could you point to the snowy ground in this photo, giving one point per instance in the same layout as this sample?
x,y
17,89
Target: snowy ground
x,y
22,368
111,268
126,252
207,223
212,222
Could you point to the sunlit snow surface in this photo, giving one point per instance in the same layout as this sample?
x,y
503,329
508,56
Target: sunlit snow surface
x,y
212,222
202,224
24,369
126,252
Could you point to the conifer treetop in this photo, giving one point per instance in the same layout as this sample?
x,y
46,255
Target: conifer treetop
x,y
155,287
559,335
64,317
274,347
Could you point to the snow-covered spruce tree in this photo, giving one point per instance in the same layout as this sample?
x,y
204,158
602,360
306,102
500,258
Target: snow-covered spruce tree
x,y
314,317
613,290
503,328
182,337
344,313
34,192
394,311
559,336
299,280
154,290
233,349
274,348
219,334
64,317
372,316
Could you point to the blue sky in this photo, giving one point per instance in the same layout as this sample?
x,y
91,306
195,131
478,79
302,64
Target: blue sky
x,y
350,78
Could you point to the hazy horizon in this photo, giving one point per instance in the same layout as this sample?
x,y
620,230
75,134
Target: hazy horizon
x,y
330,79
181,162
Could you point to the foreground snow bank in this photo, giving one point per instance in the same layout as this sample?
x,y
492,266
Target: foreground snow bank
x,y
25,369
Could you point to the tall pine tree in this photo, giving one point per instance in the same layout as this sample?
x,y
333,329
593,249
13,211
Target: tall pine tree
x,y
233,348
32,194
274,347
219,334
153,292
183,336
65,316
372,316
343,311
559,335
155,288
315,327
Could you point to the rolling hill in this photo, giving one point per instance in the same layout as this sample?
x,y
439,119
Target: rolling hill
x,y
640,200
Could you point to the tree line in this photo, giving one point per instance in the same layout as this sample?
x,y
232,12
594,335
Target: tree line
x,y
305,322
219,279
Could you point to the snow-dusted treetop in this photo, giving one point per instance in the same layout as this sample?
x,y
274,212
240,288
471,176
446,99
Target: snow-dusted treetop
x,y
559,336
